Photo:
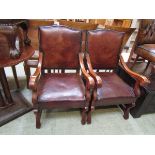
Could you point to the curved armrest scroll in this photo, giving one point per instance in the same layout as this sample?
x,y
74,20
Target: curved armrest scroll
x,y
35,77
90,81
97,79
140,79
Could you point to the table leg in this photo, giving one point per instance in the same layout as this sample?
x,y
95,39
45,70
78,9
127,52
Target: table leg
x,y
2,103
15,76
5,86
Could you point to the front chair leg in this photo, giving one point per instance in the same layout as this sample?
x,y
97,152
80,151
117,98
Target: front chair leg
x,y
84,116
126,109
89,115
38,116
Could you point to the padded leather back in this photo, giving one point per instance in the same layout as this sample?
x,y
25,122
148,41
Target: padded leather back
x,y
146,33
104,47
60,46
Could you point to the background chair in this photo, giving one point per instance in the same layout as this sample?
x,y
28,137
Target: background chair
x,y
144,45
104,54
52,87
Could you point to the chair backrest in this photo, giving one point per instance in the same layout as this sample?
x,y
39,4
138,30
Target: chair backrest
x,y
60,46
104,47
146,34
80,26
128,32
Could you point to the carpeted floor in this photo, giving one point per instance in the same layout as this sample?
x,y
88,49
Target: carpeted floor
x,y
104,121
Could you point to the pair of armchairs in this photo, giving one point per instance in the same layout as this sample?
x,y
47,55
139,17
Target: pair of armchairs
x,y
60,49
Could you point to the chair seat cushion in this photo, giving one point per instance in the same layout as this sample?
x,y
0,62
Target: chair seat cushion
x,y
147,51
114,89
60,87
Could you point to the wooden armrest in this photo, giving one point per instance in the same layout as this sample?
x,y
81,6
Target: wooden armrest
x,y
98,80
140,79
35,77
89,79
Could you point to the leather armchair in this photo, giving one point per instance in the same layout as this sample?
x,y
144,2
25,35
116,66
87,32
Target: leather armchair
x,y
104,55
60,49
145,42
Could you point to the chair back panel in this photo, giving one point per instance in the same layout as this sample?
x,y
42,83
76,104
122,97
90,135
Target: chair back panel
x,y
104,48
60,46
146,34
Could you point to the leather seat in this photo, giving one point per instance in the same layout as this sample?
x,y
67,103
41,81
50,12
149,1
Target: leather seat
x,y
114,88
147,51
61,87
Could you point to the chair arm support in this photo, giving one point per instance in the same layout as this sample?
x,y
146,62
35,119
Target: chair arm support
x,y
140,79
89,80
35,77
98,80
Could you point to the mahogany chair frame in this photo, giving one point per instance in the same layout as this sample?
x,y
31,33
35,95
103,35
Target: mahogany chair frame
x,y
140,81
40,71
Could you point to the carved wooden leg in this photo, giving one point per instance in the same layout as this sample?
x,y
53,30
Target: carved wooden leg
x,y
15,76
84,116
27,73
5,86
2,103
38,116
126,109
89,115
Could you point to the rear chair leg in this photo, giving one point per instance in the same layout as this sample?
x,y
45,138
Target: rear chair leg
x,y
38,116
84,116
89,115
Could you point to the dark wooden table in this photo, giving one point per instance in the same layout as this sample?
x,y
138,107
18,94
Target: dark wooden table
x,y
22,23
14,103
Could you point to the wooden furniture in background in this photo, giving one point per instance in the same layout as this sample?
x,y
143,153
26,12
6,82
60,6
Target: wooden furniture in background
x,y
14,104
104,48
122,22
144,45
13,33
60,90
